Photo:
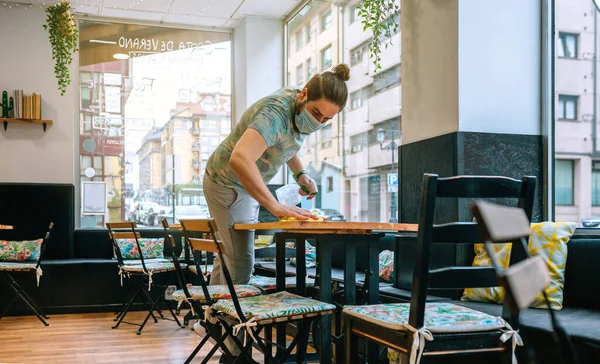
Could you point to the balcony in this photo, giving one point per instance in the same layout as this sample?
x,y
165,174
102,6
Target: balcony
x,y
385,104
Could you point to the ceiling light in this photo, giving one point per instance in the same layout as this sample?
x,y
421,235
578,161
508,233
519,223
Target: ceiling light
x,y
102,41
120,56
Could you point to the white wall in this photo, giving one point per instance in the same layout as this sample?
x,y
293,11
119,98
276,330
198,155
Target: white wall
x,y
258,63
499,66
27,154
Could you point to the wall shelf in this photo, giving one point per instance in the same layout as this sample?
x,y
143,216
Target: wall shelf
x,y
6,121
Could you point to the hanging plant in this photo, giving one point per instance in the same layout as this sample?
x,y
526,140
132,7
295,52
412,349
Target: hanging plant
x,y
379,16
63,35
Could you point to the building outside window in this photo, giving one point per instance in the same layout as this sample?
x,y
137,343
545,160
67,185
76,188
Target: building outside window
x,y
564,182
326,20
149,122
326,58
309,71
346,160
299,40
567,45
300,75
567,107
595,183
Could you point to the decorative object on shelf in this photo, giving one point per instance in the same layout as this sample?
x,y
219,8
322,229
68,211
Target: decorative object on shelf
x,y
63,35
6,105
379,16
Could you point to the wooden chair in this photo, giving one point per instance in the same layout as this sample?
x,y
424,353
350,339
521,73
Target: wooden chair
x,y
524,280
141,274
405,327
254,315
22,262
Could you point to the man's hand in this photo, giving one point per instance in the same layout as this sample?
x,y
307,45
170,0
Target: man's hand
x,y
280,210
310,184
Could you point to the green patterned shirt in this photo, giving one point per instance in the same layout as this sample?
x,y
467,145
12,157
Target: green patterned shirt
x,y
272,117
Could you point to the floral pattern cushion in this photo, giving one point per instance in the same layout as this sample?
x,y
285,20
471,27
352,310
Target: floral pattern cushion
x,y
20,251
270,283
153,267
217,292
151,248
310,257
12,266
439,317
147,261
547,239
203,267
386,266
275,305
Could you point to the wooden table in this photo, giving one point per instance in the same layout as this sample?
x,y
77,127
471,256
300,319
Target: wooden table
x,y
324,234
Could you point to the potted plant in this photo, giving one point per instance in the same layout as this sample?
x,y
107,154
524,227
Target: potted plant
x,y
379,17
63,36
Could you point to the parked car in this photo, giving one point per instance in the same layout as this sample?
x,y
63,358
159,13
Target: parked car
x,y
329,214
591,222
191,212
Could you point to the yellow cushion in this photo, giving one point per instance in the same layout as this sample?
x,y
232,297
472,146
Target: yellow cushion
x,y
549,240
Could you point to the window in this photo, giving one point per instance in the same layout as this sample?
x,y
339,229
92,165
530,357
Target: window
x,y
358,142
563,180
299,41
131,130
354,14
300,75
359,97
326,58
357,54
386,79
595,183
345,154
326,135
326,20
567,45
309,72
308,33
567,107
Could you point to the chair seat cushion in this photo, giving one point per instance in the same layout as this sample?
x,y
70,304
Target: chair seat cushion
x,y
217,292
13,266
270,283
280,306
440,317
147,261
151,267
205,269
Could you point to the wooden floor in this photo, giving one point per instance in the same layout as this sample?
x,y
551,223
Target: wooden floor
x,y
88,338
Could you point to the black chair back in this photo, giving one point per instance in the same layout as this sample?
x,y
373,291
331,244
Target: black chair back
x,y
475,187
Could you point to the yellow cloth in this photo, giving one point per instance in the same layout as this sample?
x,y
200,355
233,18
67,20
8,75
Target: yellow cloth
x,y
549,240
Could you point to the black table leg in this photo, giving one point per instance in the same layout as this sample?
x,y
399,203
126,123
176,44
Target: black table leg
x,y
373,296
324,272
349,295
280,274
301,266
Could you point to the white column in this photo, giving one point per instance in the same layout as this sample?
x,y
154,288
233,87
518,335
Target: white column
x,y
258,64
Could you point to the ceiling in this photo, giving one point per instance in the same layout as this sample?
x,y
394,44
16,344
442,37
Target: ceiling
x,y
205,13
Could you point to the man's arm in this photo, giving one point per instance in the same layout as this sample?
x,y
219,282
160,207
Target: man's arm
x,y
243,163
295,165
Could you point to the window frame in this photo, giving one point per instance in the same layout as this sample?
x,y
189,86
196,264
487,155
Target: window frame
x,y
572,198
76,73
562,39
564,98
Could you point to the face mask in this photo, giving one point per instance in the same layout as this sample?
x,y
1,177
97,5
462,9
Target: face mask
x,y
307,123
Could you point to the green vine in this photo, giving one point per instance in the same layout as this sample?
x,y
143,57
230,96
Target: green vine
x,y
63,35
379,16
